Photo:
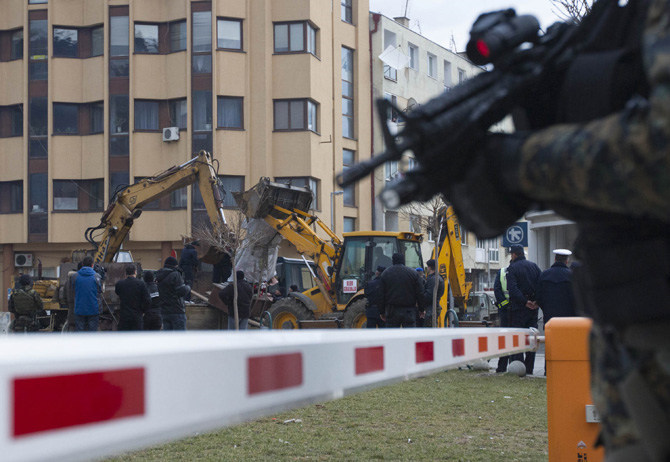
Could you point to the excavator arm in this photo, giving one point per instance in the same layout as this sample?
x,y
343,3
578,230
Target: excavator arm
x,y
450,261
286,209
127,204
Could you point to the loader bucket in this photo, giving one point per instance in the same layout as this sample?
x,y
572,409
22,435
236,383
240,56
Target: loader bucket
x,y
259,201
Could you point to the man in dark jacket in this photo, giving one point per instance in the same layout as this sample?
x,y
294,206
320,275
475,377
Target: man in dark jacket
x,y
171,293
244,293
428,293
188,263
401,294
87,288
373,296
522,278
554,292
135,300
26,304
152,317
222,269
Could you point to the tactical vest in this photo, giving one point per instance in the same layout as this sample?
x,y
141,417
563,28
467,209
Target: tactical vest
x,y
503,285
24,301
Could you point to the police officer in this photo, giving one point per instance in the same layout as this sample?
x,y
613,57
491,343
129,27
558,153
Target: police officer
x,y
26,304
554,291
373,296
522,279
401,291
432,279
502,302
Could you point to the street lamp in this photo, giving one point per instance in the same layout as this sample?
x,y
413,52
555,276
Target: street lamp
x,y
332,208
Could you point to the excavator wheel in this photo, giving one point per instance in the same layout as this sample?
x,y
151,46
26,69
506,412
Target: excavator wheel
x,y
354,317
287,312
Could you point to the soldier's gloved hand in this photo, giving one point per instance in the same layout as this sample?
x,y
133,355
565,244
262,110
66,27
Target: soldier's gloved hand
x,y
484,201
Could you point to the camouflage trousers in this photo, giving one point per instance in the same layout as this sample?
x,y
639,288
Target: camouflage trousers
x,y
630,386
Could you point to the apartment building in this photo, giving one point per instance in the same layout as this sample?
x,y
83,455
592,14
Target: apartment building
x,y
276,88
417,71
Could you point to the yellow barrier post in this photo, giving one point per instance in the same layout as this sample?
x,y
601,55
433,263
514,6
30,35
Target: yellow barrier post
x,y
572,419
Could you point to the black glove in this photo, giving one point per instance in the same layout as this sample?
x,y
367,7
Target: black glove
x,y
485,202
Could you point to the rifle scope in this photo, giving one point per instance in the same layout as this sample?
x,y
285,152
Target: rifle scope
x,y
495,34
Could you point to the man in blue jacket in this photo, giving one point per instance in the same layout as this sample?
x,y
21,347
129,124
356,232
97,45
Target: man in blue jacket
x,y
554,292
88,287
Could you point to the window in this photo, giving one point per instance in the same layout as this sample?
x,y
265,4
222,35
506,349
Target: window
x,y
295,37
37,126
464,234
230,112
345,11
487,250
297,114
66,43
146,115
229,34
304,182
38,192
97,41
348,160
36,2
117,181
202,31
119,68
16,39
349,225
118,114
392,113
390,221
347,92
11,196
228,184
202,110
97,118
432,65
177,32
413,57
461,76
37,49
390,40
178,113
66,119
146,38
447,75
11,120
118,35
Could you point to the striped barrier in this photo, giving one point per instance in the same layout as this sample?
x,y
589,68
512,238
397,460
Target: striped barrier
x,y
84,396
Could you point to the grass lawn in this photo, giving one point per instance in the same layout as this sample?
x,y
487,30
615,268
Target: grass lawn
x,y
455,415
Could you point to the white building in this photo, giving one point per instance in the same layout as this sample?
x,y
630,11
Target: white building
x,y
413,71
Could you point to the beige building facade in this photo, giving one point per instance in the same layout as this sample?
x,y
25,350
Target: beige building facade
x,y
276,88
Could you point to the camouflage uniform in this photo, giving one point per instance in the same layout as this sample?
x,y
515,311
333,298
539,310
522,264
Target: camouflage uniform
x,y
612,176
26,304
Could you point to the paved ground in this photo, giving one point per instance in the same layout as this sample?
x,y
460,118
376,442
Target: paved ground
x,y
538,371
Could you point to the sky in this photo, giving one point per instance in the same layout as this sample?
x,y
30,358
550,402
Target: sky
x,y
438,20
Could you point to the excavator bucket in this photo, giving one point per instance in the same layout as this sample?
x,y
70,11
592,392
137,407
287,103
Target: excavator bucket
x,y
259,201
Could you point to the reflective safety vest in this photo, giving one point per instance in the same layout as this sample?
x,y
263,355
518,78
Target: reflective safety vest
x,y
503,284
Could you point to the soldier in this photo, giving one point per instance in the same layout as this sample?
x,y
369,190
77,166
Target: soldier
x,y
26,304
604,163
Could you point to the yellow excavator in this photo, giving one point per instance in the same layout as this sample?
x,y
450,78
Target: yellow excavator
x,y
343,266
126,206
450,267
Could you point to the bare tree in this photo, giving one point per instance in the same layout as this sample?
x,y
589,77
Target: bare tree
x,y
571,10
230,240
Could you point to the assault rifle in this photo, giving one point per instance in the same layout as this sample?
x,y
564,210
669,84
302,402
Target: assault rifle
x,y
442,133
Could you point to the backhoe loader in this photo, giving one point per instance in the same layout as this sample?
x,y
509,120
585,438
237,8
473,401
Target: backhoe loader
x,y
343,266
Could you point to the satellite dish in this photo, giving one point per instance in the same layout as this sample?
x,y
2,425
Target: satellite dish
x,y
411,104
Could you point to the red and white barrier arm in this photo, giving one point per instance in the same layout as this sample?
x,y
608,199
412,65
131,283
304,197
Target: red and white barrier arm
x,y
83,396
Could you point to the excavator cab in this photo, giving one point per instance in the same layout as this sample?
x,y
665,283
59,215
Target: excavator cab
x,y
364,251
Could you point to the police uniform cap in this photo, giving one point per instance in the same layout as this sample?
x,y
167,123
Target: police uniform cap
x,y
564,252
419,269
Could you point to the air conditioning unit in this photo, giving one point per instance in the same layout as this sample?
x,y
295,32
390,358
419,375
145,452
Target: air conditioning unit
x,y
23,259
171,134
